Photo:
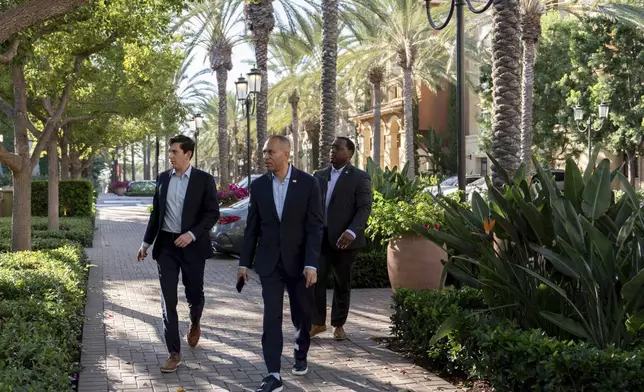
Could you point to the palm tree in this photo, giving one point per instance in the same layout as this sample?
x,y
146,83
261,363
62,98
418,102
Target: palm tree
x,y
213,27
506,49
397,32
376,75
261,19
328,110
531,11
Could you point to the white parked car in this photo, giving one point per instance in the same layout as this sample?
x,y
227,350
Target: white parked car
x,y
450,185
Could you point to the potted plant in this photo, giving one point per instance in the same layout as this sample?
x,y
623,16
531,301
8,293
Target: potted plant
x,y
119,187
231,195
399,205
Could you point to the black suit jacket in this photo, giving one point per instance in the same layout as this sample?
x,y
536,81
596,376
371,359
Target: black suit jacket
x,y
350,204
296,239
200,212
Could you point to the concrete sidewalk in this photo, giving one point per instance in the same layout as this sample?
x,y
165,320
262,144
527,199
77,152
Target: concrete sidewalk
x,y
123,344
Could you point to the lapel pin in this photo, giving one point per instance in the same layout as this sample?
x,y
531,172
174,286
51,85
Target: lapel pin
x,y
294,181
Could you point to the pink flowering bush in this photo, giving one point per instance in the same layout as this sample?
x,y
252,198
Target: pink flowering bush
x,y
232,194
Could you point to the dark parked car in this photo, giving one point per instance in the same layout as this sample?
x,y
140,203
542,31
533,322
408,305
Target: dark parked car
x,y
227,236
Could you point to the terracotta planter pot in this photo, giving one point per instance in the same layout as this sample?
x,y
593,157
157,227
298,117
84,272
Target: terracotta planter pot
x,y
414,262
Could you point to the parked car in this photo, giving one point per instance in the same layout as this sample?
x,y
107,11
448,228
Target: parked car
x,y
480,186
450,185
141,188
243,183
227,236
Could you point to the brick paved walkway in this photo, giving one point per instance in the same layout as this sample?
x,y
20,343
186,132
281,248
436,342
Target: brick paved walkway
x,y
123,344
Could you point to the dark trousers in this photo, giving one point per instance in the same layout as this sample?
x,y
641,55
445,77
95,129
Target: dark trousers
x,y
301,302
171,260
342,263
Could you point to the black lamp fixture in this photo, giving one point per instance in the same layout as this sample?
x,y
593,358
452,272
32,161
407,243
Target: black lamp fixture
x,y
246,90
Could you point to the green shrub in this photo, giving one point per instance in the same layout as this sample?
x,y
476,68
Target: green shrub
x,y
369,271
80,230
569,262
76,198
41,317
498,351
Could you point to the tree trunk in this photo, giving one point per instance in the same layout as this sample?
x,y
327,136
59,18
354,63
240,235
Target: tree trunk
x,y
632,169
32,12
76,165
224,153
328,107
312,129
408,102
133,165
64,153
506,134
21,212
377,99
147,150
260,20
156,156
530,33
53,220
124,170
294,100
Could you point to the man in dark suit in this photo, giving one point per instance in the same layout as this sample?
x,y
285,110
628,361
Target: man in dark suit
x,y
346,196
283,236
184,209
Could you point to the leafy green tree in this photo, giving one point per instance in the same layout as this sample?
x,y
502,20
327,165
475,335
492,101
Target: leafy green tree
x,y
607,56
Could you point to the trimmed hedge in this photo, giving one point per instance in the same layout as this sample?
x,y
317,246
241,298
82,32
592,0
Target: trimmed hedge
x,y
498,351
79,230
76,198
369,271
42,297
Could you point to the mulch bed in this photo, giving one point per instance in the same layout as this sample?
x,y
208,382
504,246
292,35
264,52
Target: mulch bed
x,y
460,379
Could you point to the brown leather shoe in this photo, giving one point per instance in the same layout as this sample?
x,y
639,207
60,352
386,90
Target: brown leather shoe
x,y
194,334
171,364
339,334
317,329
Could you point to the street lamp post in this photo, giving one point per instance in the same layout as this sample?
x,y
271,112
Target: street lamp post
x,y
246,90
460,75
198,125
578,113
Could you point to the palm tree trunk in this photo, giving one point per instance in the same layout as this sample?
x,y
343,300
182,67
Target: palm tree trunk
x,y
328,111
224,171
260,20
377,98
506,134
294,100
527,82
133,165
408,97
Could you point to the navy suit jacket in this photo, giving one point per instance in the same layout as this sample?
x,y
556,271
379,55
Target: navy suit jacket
x,y
200,213
296,239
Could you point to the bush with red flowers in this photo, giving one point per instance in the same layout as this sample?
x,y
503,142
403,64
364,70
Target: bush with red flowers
x,y
232,194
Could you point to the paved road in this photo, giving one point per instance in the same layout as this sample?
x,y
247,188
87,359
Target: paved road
x,y
123,345
112,200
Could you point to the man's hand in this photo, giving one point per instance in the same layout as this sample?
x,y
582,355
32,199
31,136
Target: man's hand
x,y
143,253
345,240
242,273
311,277
183,240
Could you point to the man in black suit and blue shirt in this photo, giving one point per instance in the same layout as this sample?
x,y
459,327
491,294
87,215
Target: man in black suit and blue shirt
x,y
346,195
283,236
184,209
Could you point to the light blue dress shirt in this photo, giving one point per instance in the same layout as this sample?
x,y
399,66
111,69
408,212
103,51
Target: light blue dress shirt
x,y
279,191
175,196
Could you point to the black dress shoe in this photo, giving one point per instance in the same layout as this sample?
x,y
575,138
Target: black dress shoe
x,y
301,367
270,384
